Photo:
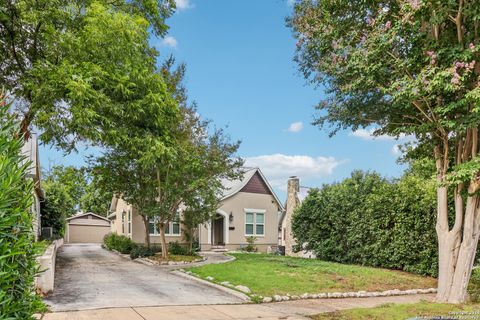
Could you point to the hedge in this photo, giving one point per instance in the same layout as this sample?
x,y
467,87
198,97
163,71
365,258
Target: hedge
x,y
369,220
17,250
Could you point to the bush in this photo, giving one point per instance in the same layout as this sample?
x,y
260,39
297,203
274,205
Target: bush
x,y
177,249
120,243
251,244
17,252
369,220
141,251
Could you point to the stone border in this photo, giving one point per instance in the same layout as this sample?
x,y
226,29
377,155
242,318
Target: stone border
x,y
148,261
44,282
189,276
355,294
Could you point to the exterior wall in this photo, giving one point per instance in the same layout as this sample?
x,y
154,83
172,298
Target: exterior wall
x,y
138,228
236,205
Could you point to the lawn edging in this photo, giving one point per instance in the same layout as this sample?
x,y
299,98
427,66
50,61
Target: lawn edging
x,y
236,293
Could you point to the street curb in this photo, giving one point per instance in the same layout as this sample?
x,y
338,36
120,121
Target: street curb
x,y
238,294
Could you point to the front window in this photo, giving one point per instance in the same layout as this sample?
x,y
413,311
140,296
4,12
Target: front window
x,y
123,222
129,221
171,229
254,224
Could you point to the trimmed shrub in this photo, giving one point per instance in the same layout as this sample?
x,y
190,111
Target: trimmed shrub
x,y
141,251
177,249
369,220
17,252
474,286
120,243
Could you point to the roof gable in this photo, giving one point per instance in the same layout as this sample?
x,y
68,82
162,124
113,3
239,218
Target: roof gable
x,y
84,215
256,185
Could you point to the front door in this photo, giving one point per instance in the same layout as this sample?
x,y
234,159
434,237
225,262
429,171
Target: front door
x,y
217,230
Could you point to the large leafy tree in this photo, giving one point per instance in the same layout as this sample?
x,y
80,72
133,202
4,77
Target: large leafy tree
x,y
78,68
58,206
407,67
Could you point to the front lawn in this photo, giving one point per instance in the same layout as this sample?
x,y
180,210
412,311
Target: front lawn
x,y
405,311
267,275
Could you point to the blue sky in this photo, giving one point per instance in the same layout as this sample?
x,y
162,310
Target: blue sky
x,y
241,73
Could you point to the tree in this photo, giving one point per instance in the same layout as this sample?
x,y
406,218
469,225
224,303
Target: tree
x,y
407,67
95,199
18,266
58,206
191,171
79,68
73,180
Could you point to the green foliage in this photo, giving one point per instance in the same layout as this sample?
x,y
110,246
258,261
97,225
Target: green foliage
x,y
58,206
474,285
140,251
120,243
82,67
250,247
368,220
17,249
176,248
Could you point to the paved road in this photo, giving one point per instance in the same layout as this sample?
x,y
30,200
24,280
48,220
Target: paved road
x,y
89,277
290,310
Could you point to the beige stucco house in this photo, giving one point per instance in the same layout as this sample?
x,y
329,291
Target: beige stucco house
x,y
249,207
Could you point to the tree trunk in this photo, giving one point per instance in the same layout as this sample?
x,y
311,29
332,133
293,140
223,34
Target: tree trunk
x,y
456,253
163,241
147,232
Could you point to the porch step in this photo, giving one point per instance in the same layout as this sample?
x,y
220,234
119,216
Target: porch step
x,y
219,249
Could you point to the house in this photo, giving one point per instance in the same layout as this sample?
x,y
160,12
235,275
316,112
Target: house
x,y
86,227
249,207
30,151
295,196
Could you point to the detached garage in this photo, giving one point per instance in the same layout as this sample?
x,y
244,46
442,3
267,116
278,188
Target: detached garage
x,y
86,228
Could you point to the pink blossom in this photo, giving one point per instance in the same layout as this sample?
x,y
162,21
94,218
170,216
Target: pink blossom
x,y
472,65
430,53
455,80
471,46
414,3
388,25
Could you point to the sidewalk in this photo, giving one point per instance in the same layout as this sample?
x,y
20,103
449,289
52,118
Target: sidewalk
x,y
281,310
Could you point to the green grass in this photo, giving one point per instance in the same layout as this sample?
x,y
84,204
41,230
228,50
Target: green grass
x,y
267,275
403,311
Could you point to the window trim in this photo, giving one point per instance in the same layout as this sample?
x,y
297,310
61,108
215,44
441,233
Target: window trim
x,y
254,212
170,228
129,221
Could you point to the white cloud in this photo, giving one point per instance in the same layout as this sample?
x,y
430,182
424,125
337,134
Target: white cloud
x,y
396,150
295,127
183,4
170,41
368,135
278,167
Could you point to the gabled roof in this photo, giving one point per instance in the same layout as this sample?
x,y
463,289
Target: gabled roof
x,y
232,187
79,215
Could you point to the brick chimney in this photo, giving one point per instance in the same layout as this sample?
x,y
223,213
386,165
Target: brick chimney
x,y
292,202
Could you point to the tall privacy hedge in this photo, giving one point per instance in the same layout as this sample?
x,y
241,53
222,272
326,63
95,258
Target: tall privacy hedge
x,y
369,220
17,252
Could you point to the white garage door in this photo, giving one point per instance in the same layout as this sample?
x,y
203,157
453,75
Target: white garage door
x,y
86,233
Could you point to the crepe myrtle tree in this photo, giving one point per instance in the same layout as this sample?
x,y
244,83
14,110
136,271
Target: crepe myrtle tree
x,y
407,67
190,170
79,68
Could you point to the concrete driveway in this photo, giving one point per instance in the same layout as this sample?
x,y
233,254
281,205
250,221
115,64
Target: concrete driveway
x,y
89,277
